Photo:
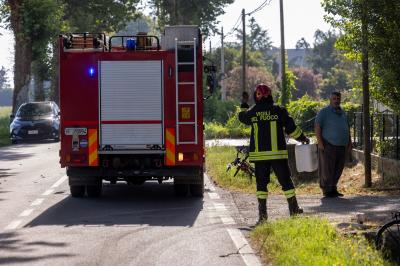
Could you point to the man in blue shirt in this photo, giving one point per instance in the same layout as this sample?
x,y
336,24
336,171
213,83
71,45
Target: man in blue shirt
x,y
333,136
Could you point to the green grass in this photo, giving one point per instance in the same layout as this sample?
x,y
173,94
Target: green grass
x,y
217,159
4,125
312,241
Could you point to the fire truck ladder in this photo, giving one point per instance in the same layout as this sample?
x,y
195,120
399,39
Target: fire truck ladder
x,y
184,85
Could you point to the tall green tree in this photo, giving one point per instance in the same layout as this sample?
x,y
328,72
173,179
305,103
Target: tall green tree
x,y
31,22
193,12
383,18
324,55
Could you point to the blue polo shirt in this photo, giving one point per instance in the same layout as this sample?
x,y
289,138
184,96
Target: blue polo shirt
x,y
334,125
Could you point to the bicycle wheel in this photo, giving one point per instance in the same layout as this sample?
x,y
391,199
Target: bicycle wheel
x,y
388,237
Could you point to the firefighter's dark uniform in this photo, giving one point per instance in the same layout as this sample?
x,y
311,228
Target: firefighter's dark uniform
x,y
269,123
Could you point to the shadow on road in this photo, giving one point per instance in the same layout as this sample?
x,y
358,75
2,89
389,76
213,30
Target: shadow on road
x,y
12,243
19,151
376,208
149,204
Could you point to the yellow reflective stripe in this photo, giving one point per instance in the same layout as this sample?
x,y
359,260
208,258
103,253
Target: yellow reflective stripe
x,y
274,137
268,153
296,133
267,158
262,194
243,109
289,193
255,127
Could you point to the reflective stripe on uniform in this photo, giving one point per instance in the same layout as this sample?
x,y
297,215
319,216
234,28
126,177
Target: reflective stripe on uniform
x,y
289,193
262,194
255,126
268,155
267,158
243,109
296,133
274,137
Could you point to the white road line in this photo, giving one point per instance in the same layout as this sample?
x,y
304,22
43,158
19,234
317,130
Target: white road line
x,y
227,220
48,192
59,182
213,195
37,202
245,251
219,206
26,213
13,225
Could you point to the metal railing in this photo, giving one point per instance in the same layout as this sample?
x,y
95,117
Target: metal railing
x,y
385,139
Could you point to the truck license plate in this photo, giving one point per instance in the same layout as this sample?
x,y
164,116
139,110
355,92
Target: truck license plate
x,y
33,132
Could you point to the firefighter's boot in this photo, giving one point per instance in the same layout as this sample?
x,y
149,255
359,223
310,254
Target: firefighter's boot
x,y
262,211
294,208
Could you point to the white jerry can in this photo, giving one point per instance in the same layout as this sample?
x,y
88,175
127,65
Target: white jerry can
x,y
306,157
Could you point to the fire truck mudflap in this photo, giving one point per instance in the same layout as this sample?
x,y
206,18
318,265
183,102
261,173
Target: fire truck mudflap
x,y
131,110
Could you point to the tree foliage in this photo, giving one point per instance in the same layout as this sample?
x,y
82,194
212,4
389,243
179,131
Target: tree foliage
x,y
306,82
383,18
255,75
193,12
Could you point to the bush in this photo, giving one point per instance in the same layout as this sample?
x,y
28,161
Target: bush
x,y
304,111
218,111
233,128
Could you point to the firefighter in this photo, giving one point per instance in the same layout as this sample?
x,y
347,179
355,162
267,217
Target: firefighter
x,y
268,146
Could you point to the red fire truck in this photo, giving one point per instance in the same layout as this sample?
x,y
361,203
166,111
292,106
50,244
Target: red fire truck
x,y
131,110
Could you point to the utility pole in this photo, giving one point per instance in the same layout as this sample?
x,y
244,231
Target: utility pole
x,y
210,46
283,58
244,51
223,90
365,86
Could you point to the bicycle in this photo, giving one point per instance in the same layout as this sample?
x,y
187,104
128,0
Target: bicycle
x,y
388,237
241,163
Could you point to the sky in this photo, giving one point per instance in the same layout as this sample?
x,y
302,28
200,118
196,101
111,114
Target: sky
x,y
302,19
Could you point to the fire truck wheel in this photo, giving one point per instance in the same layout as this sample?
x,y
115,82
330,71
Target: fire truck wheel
x,y
197,190
77,191
181,190
94,191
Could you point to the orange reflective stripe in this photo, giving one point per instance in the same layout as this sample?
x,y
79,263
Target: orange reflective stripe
x,y
170,146
93,145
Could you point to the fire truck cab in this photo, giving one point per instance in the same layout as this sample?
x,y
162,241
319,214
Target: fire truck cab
x,y
131,110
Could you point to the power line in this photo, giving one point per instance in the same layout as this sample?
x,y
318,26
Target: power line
x,y
234,26
264,4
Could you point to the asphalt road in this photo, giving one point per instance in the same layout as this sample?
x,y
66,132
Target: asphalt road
x,y
41,224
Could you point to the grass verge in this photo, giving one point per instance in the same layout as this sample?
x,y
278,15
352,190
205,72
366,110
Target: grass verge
x,y
311,241
5,125
351,181
217,159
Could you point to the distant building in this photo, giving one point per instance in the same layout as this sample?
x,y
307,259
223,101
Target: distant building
x,y
296,57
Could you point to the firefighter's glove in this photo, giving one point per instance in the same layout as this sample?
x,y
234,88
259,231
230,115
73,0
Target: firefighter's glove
x,y
245,99
303,139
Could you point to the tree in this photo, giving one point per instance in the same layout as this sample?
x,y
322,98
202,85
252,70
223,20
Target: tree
x,y
195,12
383,42
30,22
255,75
258,44
302,44
3,78
306,82
324,55
98,15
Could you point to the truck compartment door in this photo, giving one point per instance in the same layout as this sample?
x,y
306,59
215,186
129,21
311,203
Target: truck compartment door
x,y
131,94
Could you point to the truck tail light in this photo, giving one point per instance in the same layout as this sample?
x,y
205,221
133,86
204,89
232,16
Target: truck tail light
x,y
188,156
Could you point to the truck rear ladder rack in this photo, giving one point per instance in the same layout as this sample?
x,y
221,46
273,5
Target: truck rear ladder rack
x,y
192,46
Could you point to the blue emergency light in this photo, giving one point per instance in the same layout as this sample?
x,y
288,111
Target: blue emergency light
x,y
91,71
